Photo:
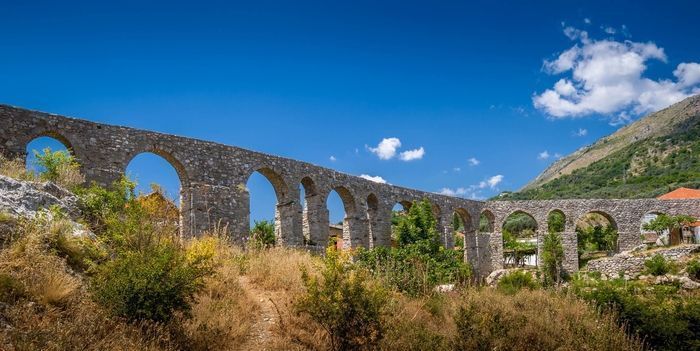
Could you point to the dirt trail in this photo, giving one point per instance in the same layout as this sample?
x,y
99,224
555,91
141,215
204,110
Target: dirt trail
x,y
268,318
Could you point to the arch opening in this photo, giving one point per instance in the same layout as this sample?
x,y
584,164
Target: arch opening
x,y
556,221
487,222
158,188
48,143
340,204
461,227
266,190
596,236
519,240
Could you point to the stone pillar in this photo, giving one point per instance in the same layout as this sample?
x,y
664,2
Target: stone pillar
x,y
205,207
315,216
447,233
288,224
570,244
380,227
355,232
496,250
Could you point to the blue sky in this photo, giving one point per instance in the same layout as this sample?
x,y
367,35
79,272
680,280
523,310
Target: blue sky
x,y
492,91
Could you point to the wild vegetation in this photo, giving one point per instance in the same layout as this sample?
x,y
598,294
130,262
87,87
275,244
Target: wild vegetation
x,y
136,285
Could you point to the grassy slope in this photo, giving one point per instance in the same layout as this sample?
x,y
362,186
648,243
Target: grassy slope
x,y
650,157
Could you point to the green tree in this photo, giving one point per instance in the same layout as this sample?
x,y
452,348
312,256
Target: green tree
x,y
262,236
53,163
418,225
665,222
552,258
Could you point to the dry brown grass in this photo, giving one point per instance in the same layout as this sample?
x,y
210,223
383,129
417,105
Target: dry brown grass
x,y
278,268
224,312
536,320
15,169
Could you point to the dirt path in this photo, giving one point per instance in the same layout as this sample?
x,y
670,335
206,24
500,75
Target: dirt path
x,y
261,331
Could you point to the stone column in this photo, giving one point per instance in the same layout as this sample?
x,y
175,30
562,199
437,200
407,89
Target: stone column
x,y
316,223
288,224
628,239
447,232
496,250
205,207
570,244
355,232
380,227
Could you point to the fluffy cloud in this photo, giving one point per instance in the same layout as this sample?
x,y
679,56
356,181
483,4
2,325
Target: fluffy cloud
x,y
411,155
386,148
376,179
474,191
581,132
544,155
332,158
473,161
607,77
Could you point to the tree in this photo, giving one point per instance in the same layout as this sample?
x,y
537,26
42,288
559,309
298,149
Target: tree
x,y
262,236
552,258
418,225
665,222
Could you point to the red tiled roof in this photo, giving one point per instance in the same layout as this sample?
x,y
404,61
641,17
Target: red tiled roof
x,y
681,193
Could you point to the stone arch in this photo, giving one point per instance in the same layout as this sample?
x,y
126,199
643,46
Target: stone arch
x,y
279,184
26,155
51,134
589,245
288,224
520,242
552,224
183,208
649,236
487,222
352,234
168,156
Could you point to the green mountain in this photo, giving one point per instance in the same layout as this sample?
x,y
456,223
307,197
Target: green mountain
x,y
656,154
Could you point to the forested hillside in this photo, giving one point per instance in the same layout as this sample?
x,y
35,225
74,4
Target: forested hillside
x,y
664,154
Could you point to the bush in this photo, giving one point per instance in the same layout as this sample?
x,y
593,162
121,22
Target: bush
x,y
552,258
150,284
11,289
658,265
421,262
345,303
664,318
516,281
534,320
262,236
59,167
693,269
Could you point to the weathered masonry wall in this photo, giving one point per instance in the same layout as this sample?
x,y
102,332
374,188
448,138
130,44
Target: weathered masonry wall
x,y
213,181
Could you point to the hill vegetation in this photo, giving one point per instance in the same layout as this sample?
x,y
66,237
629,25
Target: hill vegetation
x,y
652,156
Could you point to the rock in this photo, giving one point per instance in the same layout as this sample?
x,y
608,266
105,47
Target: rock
x,y
25,199
689,284
444,288
495,276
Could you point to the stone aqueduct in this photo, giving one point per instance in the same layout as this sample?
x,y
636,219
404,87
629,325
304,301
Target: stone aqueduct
x,y
213,191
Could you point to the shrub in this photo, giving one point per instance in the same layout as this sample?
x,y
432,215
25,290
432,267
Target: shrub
x,y
262,236
664,318
693,269
421,262
150,284
345,303
552,258
516,281
59,167
102,206
14,168
658,265
534,320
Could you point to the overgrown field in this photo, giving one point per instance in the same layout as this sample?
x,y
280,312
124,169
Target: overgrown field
x,y
136,285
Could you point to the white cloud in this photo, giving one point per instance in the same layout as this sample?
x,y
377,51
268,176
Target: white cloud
x,y
473,161
543,155
494,181
332,158
386,149
609,30
473,191
457,169
376,179
587,20
411,155
557,155
581,132
607,77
